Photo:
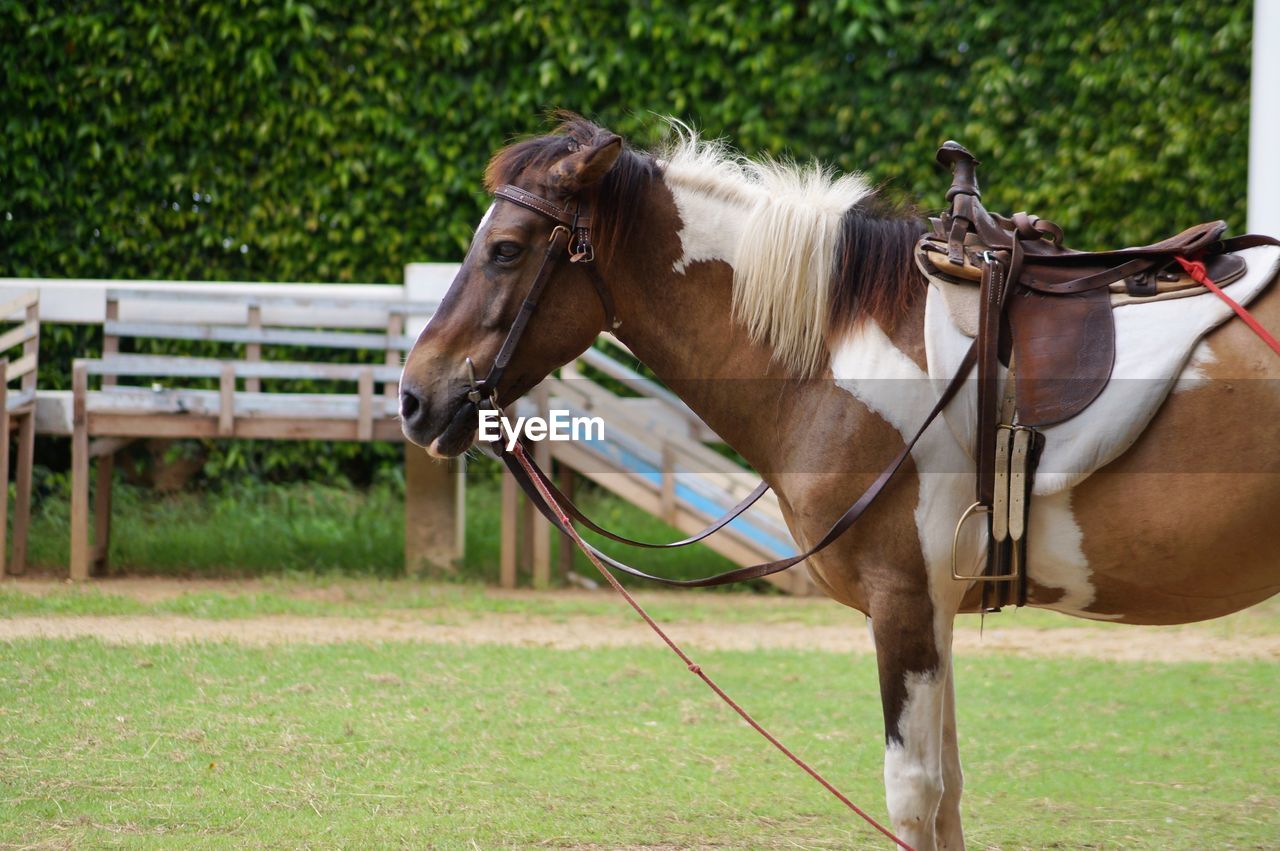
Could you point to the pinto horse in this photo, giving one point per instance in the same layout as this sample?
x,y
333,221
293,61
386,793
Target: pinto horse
x,y
783,305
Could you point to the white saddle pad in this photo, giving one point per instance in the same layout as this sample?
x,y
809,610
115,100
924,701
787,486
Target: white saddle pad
x,y
1154,341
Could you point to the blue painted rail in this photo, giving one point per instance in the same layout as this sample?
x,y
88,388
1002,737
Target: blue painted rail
x,y
745,526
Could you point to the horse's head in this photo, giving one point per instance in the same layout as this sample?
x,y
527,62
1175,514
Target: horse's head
x,y
523,243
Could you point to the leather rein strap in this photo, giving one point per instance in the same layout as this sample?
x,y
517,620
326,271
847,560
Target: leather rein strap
x,y
694,668
573,231
754,571
576,513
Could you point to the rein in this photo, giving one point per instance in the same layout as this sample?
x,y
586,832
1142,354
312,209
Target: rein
x,y
523,460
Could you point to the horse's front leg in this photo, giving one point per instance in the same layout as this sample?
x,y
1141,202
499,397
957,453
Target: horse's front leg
x,y
913,652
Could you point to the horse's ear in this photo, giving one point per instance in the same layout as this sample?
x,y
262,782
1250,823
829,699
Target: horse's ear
x,y
587,164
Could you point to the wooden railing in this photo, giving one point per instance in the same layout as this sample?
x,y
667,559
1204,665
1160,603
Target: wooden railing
x,y
17,411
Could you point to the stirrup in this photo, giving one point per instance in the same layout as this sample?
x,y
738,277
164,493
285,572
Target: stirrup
x,y
972,511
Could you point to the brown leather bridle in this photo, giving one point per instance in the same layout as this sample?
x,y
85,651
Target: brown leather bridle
x,y
572,233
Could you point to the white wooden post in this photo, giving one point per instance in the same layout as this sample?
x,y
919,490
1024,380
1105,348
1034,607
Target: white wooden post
x,y
79,568
540,534
1264,120
435,493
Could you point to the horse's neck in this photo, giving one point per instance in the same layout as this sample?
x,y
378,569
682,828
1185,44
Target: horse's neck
x,y
680,326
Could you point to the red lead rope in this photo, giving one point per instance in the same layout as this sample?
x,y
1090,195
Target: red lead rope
x,y
1196,270
696,669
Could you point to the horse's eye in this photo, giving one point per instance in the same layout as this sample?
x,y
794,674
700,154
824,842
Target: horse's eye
x,y
506,252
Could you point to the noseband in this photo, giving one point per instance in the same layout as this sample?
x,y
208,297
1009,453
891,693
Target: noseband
x,y
571,235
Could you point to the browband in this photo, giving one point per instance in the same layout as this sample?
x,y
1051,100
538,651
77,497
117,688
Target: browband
x,y
516,195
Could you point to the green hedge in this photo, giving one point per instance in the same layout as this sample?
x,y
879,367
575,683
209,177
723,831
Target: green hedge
x,y
235,140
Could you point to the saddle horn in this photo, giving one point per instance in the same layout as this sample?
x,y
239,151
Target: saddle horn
x,y
964,198
964,169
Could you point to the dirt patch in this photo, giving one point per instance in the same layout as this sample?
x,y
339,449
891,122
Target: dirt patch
x,y
144,589
588,632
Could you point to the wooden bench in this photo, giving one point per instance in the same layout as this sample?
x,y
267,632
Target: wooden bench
x,y
17,413
238,393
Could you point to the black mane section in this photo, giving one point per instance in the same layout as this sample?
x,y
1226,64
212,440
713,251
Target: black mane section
x,y
875,273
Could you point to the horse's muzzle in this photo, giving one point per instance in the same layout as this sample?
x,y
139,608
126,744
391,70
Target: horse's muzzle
x,y
444,430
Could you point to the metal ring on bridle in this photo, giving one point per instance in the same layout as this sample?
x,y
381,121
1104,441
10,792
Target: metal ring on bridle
x,y
474,393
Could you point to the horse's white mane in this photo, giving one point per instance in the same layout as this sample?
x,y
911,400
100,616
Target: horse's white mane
x,y
784,262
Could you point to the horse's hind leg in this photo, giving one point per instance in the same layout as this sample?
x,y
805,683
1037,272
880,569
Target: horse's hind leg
x,y
950,834
914,682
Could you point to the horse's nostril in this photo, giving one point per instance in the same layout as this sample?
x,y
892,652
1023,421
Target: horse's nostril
x,y
410,405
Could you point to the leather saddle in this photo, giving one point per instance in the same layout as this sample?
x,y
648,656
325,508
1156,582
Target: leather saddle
x,y
1044,325
1057,301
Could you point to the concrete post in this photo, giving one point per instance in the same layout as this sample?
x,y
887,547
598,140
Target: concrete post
x,y
432,512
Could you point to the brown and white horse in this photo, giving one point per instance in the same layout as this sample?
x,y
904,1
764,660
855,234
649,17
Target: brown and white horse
x,y
783,305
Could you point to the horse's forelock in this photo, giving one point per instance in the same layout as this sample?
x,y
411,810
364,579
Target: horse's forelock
x,y
629,176
536,155
539,153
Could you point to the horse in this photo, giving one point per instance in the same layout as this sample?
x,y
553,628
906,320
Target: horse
x,y
782,303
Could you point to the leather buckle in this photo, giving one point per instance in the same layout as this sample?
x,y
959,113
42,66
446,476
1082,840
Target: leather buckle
x,y
476,394
473,395
1142,285
581,250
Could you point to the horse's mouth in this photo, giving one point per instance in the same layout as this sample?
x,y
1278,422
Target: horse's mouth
x,y
458,435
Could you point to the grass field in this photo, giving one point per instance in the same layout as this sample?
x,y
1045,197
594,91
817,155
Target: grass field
x,y
405,744
249,529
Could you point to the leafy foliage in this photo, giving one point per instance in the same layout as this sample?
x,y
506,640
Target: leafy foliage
x,y
238,140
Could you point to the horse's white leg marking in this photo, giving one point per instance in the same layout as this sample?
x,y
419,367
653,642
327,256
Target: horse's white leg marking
x,y
913,766
889,383
916,762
